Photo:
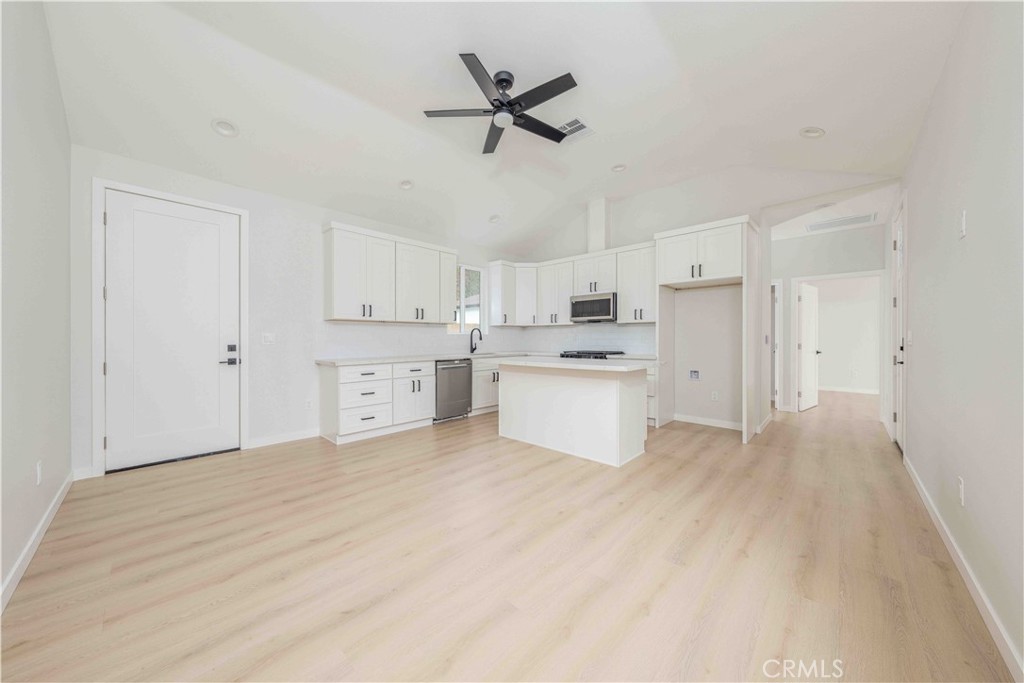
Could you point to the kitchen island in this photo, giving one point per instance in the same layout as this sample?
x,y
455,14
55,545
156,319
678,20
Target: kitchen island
x,y
595,410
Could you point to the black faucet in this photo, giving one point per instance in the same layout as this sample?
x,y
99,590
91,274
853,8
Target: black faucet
x,y
472,343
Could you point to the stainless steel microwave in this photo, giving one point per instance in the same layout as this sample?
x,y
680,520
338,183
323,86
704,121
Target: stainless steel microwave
x,y
593,308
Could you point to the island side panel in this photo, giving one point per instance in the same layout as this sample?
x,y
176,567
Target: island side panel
x,y
632,415
572,411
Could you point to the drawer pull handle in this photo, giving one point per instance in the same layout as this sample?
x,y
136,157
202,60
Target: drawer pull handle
x,y
416,370
372,417
368,393
367,374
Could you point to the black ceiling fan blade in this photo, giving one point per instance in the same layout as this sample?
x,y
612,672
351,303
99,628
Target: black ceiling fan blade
x,y
528,123
435,113
543,93
482,78
493,135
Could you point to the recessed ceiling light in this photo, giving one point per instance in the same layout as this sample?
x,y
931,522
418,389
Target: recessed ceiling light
x,y
405,184
618,168
812,132
224,127
494,219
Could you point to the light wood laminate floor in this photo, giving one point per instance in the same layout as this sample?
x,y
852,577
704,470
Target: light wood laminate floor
x,y
448,553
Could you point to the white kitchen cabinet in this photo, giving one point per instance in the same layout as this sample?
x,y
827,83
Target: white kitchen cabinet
x,y
413,399
554,288
677,259
701,256
449,282
595,274
526,295
485,388
637,287
417,283
720,253
359,276
502,293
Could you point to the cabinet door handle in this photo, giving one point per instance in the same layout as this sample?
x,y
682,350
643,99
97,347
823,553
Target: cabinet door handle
x,y
556,317
367,374
700,270
416,370
413,382
419,385
455,316
634,314
691,271
534,320
368,393
372,417
641,314
504,317
364,310
371,310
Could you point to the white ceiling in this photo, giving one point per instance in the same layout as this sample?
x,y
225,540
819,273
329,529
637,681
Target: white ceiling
x,y
878,199
329,98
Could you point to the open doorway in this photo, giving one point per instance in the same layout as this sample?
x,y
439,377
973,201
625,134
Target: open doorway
x,y
839,337
777,343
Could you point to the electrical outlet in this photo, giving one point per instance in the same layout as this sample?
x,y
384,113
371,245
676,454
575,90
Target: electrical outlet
x,y
714,395
39,472
961,480
963,223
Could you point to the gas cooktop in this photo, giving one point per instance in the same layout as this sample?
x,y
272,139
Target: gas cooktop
x,y
592,355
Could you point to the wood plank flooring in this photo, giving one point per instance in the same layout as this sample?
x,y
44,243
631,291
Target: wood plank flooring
x,y
450,554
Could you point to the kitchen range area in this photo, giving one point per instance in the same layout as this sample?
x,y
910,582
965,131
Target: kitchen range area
x,y
696,291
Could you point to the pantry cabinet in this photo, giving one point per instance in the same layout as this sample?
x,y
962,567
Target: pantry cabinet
x,y
637,288
417,283
594,274
503,293
359,276
554,289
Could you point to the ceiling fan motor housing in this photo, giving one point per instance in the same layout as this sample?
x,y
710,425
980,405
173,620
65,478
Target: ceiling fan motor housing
x,y
504,80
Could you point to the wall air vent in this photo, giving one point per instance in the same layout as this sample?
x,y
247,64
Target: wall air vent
x,y
844,222
575,130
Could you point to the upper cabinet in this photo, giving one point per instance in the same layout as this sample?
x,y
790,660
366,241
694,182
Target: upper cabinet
x,y
594,274
554,288
417,284
700,255
448,296
526,295
359,276
371,276
503,293
637,288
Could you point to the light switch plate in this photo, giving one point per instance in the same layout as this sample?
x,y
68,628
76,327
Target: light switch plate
x,y
695,375
268,337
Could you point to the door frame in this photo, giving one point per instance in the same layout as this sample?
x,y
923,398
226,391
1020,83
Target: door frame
x,y
99,332
898,321
794,322
776,291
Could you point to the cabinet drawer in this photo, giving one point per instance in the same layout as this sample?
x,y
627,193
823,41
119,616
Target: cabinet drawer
x,y
364,393
485,365
360,419
422,369
363,373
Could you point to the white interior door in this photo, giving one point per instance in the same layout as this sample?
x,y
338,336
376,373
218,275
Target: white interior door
x,y
898,331
172,324
807,305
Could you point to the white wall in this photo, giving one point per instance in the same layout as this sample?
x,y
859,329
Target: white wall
x,y
845,251
709,338
965,308
35,414
284,299
849,327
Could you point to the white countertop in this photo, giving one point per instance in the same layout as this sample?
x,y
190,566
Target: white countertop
x,y
575,364
420,358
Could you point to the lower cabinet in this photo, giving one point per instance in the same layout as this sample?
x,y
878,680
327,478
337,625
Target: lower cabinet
x,y
485,388
413,399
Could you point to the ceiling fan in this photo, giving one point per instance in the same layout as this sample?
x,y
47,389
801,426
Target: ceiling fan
x,y
506,110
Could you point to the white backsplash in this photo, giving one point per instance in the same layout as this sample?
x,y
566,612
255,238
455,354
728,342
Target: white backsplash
x,y
359,340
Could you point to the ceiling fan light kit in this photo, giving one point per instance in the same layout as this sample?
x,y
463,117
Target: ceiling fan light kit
x,y
506,110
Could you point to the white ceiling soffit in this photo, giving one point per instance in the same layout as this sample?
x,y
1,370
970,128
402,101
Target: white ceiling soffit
x,y
329,97
839,211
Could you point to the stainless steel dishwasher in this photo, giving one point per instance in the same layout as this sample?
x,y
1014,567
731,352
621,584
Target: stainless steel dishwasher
x,y
454,388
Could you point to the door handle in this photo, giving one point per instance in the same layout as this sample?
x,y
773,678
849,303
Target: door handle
x,y
700,270
231,361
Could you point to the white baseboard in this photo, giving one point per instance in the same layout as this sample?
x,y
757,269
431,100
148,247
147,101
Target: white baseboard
x,y
764,425
995,626
708,422
848,390
281,438
11,582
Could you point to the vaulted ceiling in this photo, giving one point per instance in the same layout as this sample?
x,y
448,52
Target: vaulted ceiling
x,y
329,100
